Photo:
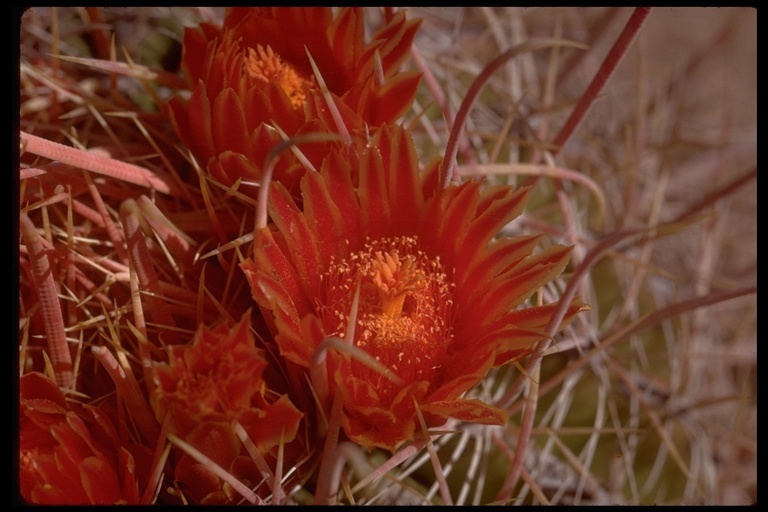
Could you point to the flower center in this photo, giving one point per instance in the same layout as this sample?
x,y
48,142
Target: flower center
x,y
404,313
266,66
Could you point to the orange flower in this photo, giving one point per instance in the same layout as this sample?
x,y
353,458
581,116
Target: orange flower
x,y
70,454
439,297
204,387
254,72
337,44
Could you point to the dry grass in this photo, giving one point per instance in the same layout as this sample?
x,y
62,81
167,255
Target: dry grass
x,y
650,398
634,412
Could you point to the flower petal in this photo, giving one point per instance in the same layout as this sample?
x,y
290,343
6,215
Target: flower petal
x,y
229,128
199,120
400,166
99,481
531,320
374,202
471,410
394,98
323,216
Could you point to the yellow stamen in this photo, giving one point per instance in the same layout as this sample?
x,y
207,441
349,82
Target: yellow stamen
x,y
264,65
395,278
405,308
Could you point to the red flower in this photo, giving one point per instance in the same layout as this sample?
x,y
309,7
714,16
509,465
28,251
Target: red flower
x,y
204,387
337,44
439,296
70,454
254,72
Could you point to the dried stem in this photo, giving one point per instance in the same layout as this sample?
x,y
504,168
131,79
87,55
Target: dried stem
x,y
609,65
141,264
452,148
332,108
526,427
83,160
199,456
128,390
46,288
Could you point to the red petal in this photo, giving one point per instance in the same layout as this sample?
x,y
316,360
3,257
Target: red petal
x,y
288,332
229,128
229,167
395,41
196,51
271,261
216,440
281,111
35,385
505,206
278,420
308,25
374,203
400,163
176,112
471,410
199,119
337,176
394,98
127,473
512,289
73,443
447,218
502,254
346,36
42,483
100,481
383,425
465,365
196,478
533,319
324,217
299,240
